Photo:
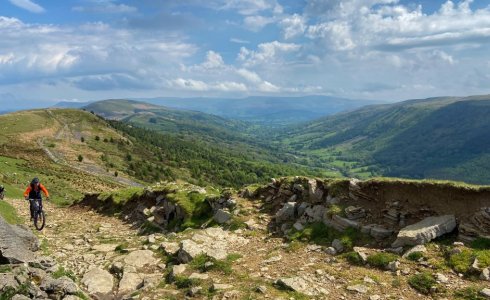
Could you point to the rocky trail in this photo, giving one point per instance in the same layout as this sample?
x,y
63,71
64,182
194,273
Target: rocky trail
x,y
117,257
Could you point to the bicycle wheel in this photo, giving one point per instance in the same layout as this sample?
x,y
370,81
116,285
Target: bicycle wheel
x,y
39,220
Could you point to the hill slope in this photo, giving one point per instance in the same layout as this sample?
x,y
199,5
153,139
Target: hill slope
x,y
445,138
74,151
266,110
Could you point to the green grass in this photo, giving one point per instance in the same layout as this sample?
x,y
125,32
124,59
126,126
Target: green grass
x,y
9,213
469,293
353,258
462,262
221,266
481,244
122,196
122,248
321,234
381,260
415,256
182,282
422,282
5,268
64,272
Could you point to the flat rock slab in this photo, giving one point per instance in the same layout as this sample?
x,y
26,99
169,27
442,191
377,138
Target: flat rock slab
x,y
214,242
425,230
129,283
140,258
17,243
99,283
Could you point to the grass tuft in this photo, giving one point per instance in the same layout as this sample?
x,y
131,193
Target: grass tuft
x,y
381,260
422,282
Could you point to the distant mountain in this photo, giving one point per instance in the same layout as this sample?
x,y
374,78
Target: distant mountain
x,y
444,138
71,104
266,110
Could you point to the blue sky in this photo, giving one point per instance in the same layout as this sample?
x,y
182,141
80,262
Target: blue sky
x,y
364,49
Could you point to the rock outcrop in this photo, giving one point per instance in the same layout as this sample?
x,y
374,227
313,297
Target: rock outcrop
x,y
17,243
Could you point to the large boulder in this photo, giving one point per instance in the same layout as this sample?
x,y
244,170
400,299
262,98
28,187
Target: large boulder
x,y
286,213
17,243
425,230
99,283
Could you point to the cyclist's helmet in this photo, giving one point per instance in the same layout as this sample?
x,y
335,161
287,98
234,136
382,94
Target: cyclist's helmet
x,y
35,180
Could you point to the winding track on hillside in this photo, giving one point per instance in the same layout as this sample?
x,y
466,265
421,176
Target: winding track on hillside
x,y
66,133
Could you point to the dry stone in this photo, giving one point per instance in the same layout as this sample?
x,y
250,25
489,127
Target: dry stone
x,y
297,284
129,283
286,213
99,283
140,258
425,230
17,243
222,216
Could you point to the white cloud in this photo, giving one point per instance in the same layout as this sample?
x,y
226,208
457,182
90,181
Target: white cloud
x,y
201,86
239,41
251,7
257,23
387,26
63,52
28,5
267,53
249,75
293,26
105,7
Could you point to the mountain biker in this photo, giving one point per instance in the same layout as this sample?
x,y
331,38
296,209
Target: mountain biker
x,y
2,192
33,192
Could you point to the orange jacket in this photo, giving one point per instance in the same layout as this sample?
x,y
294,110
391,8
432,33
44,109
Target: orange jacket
x,y
41,187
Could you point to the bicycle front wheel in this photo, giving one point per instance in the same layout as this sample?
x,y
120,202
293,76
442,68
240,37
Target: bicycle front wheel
x,y
39,220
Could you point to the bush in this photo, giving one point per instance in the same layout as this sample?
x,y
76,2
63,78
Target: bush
x,y
183,282
334,210
353,258
415,256
422,282
82,139
381,260
97,138
80,158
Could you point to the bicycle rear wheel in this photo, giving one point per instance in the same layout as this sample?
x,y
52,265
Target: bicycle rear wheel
x,y
39,220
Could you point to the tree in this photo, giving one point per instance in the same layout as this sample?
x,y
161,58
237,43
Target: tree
x,y
97,138
80,158
116,174
82,139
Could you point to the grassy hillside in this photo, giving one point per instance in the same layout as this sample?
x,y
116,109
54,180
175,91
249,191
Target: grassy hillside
x,y
214,149
445,138
74,152
27,136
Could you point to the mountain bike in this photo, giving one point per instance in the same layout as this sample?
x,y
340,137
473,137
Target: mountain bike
x,y
39,218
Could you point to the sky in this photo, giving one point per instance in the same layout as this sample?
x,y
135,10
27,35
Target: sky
x,y
388,50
